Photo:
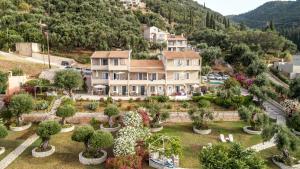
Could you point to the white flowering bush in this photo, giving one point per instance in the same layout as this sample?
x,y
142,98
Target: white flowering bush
x,y
124,146
290,106
127,140
132,119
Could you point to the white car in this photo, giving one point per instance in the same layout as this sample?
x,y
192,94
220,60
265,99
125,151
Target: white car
x,y
225,77
218,77
211,77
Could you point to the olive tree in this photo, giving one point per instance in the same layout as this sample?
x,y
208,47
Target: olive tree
x,y
157,114
20,104
200,117
65,111
254,116
45,130
232,156
68,80
94,141
111,110
285,141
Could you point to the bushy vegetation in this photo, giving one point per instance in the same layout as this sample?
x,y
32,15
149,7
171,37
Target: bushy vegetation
x,y
45,130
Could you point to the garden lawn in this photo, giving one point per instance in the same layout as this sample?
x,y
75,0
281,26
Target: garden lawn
x,y
65,156
192,143
14,139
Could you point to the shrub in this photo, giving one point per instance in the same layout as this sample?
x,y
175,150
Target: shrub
x,y
65,111
109,100
294,121
41,105
95,123
93,106
66,101
210,98
200,117
130,100
161,99
145,117
111,110
100,140
185,104
3,131
204,103
168,106
45,130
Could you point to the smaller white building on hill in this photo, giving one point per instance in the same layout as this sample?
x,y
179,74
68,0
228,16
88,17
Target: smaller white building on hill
x,y
291,69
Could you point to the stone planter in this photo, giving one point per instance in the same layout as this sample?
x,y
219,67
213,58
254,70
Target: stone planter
x,y
92,161
297,133
202,132
249,131
43,154
21,128
2,150
68,129
115,129
158,129
283,166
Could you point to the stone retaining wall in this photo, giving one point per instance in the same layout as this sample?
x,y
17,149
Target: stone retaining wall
x,y
175,117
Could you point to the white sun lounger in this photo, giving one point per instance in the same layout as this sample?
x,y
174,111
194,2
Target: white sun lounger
x,y
222,138
230,138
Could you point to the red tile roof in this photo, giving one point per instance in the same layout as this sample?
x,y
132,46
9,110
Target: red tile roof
x,y
146,65
182,54
111,54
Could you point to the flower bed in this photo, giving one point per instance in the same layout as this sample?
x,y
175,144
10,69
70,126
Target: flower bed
x,y
247,129
40,154
21,128
92,161
67,128
113,129
202,132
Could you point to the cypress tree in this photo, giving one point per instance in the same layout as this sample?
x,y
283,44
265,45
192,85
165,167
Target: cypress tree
x,y
208,20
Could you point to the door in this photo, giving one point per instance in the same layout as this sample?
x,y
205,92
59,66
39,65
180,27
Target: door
x,y
143,90
177,89
124,90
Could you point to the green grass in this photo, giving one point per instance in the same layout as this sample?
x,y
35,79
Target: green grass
x,y
14,139
193,143
65,156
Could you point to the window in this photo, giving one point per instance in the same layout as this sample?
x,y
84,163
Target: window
x,y
115,88
116,76
176,76
122,61
134,88
104,62
115,62
152,76
152,88
97,73
188,62
187,75
105,75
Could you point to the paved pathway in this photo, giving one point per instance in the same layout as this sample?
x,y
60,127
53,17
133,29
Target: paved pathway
x,y
276,80
18,151
274,111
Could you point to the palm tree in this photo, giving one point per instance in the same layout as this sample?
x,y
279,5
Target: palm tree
x,y
285,141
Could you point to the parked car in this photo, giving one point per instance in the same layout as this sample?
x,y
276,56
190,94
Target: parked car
x,y
218,77
225,77
211,77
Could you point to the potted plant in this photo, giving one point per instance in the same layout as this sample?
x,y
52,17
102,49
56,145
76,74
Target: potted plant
x,y
286,142
95,142
45,130
201,118
111,111
294,123
20,104
255,117
157,117
64,111
3,134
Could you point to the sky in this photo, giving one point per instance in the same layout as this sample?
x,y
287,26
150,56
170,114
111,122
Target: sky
x,y
232,7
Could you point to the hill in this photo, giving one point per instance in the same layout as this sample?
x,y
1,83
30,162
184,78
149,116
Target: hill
x,y
95,24
284,14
